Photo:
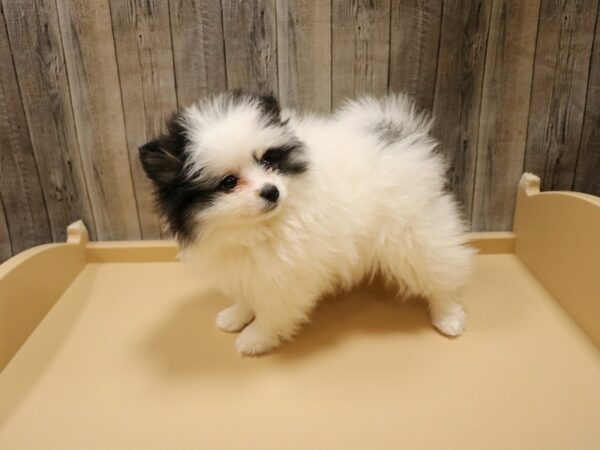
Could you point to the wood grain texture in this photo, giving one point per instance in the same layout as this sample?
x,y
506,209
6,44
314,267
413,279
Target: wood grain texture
x,y
514,85
587,172
459,82
38,55
360,48
304,52
564,46
504,112
414,43
198,48
20,187
5,244
249,29
94,83
145,59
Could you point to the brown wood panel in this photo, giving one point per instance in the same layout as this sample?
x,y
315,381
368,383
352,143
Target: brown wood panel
x,y
145,58
20,187
504,112
5,245
360,48
459,82
587,172
514,86
304,51
564,45
250,33
38,55
94,83
414,43
198,48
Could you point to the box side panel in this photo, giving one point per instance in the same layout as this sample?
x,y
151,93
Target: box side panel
x,y
131,251
30,284
558,239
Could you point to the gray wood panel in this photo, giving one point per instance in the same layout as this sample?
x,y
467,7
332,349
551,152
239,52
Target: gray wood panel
x,y
304,51
145,59
564,45
360,48
587,173
414,43
250,32
504,112
459,83
198,48
514,85
20,187
38,55
97,106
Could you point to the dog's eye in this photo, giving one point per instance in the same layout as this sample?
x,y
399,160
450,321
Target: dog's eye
x,y
229,182
270,158
267,161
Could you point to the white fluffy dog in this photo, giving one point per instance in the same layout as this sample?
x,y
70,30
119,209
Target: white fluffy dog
x,y
276,209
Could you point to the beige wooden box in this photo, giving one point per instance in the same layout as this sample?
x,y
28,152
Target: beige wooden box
x,y
109,345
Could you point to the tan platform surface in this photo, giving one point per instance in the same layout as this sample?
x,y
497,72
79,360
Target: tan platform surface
x,y
129,358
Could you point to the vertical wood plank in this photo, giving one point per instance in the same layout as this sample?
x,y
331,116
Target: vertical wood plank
x,y
458,91
198,49
250,33
360,51
564,45
5,245
304,52
20,188
145,59
504,112
587,173
94,83
38,55
414,43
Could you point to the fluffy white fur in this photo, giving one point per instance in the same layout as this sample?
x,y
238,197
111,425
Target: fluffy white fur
x,y
372,201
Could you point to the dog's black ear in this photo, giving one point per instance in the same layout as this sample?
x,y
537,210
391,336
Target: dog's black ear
x,y
270,108
162,158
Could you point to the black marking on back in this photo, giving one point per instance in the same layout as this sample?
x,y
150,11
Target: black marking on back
x,y
389,132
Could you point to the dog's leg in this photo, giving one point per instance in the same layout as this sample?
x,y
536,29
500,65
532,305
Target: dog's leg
x,y
277,319
440,287
437,283
234,318
447,315
433,266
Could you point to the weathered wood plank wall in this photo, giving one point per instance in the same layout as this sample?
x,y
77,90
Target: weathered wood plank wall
x,y
514,85
504,111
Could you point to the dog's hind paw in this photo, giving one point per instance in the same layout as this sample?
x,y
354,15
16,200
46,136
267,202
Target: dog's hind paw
x,y
450,321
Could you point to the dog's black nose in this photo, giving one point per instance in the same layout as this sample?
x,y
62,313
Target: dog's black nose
x,y
270,192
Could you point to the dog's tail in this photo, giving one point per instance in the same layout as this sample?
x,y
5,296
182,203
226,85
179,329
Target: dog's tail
x,y
395,114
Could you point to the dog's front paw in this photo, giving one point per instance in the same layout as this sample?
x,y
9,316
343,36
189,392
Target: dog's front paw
x,y
450,321
234,318
254,340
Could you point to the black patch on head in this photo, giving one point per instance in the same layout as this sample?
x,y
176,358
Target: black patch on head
x,y
178,194
287,159
270,109
267,103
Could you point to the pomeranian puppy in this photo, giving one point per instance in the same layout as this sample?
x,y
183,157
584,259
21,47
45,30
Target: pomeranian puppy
x,y
276,209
